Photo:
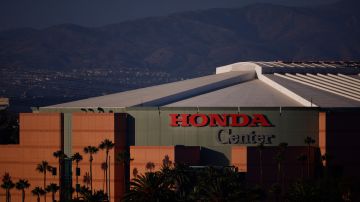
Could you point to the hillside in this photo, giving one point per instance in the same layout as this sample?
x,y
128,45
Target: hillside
x,y
192,42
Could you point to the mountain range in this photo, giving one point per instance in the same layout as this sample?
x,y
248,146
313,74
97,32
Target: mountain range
x,y
192,42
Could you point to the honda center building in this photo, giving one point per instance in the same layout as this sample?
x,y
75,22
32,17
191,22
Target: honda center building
x,y
216,120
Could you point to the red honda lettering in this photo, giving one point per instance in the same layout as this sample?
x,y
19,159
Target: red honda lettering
x,y
175,120
217,120
239,120
259,119
199,120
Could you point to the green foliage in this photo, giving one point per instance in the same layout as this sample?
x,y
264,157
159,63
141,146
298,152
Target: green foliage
x,y
91,150
43,167
22,184
150,166
183,183
7,184
151,186
38,191
53,188
60,155
301,191
77,157
89,196
106,145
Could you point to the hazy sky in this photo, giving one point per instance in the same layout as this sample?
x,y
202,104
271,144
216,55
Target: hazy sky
x,y
44,13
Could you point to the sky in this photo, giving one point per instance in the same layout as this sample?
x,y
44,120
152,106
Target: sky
x,y
94,13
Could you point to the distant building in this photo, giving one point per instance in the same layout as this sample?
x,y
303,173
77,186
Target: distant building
x,y
4,103
215,120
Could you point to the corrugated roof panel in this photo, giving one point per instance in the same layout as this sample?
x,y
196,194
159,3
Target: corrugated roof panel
x,y
320,97
321,86
253,93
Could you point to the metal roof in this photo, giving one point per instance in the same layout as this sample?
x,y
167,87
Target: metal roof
x,y
247,84
162,94
253,93
311,92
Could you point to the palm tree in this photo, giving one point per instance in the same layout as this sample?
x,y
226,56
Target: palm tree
x,y
280,156
302,158
60,155
260,148
88,196
106,145
135,172
53,188
309,141
87,179
104,168
149,187
124,158
77,158
7,185
150,166
22,184
38,191
166,162
42,168
91,150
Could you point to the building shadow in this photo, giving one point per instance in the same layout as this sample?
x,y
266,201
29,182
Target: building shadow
x,y
212,157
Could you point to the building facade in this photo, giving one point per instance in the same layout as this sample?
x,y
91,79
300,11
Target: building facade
x,y
216,120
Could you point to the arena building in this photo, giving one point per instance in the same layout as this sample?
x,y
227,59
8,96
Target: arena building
x,y
215,120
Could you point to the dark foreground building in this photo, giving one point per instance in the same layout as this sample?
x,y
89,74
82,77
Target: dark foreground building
x,y
216,120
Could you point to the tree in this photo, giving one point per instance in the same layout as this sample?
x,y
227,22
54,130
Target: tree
x,y
104,168
309,141
77,158
279,157
53,188
124,159
42,168
150,166
149,187
38,191
135,172
22,184
302,158
87,179
60,155
7,184
260,148
89,196
300,191
91,150
166,162
106,145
